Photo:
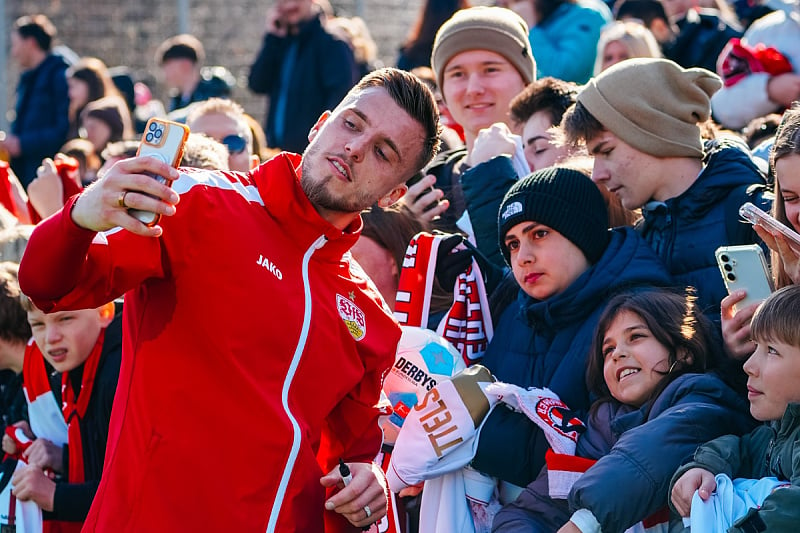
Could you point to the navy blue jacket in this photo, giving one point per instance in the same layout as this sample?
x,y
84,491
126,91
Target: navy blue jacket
x,y
638,451
546,343
324,71
686,230
42,115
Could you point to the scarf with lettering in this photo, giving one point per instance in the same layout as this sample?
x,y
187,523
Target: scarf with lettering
x,y
467,324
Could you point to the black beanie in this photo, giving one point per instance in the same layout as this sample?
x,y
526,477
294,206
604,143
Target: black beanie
x,y
562,199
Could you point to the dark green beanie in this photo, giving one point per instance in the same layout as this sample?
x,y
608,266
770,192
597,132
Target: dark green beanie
x,y
562,199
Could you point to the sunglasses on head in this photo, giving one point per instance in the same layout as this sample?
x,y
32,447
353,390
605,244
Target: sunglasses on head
x,y
236,144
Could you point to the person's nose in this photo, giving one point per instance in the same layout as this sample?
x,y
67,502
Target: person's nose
x,y
474,83
356,148
599,172
52,334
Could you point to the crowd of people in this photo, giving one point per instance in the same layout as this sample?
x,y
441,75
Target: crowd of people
x,y
542,183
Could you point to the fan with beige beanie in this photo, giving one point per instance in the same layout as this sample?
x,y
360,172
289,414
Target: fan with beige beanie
x,y
643,119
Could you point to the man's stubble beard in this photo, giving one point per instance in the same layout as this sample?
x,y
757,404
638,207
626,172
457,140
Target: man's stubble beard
x,y
319,195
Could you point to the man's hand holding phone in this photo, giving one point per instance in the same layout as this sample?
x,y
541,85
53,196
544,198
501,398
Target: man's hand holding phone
x,y
105,204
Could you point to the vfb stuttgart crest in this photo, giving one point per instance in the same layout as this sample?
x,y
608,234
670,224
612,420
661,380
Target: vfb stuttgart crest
x,y
353,317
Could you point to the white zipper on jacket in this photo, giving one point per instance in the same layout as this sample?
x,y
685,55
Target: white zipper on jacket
x,y
287,383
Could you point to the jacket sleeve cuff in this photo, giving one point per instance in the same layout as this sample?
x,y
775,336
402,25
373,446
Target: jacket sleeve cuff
x,y
585,521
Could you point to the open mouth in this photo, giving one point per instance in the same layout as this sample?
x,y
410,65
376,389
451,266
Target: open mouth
x,y
341,168
625,372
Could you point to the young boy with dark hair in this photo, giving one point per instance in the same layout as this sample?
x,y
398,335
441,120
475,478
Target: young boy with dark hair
x,y
771,450
70,377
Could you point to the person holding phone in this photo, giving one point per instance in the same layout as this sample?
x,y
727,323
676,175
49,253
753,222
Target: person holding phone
x,y
303,68
785,263
250,338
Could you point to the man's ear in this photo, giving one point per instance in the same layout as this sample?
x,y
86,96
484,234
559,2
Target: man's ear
x,y
393,196
315,128
254,161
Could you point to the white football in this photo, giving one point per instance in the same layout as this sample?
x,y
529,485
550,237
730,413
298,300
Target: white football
x,y
423,359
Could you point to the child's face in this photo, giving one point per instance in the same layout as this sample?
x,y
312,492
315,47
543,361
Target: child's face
x,y
773,372
633,360
66,338
544,262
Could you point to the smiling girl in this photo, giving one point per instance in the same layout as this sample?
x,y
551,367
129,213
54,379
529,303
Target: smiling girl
x,y
655,406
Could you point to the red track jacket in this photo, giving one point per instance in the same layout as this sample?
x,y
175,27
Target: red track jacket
x,y
253,354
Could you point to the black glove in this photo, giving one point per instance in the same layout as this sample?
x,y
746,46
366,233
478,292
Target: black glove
x,y
449,263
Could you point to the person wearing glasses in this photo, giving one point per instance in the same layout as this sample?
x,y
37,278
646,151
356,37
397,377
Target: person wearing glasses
x,y
224,121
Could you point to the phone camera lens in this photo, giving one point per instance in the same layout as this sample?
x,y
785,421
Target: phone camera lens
x,y
149,137
153,126
158,133
728,268
725,258
731,277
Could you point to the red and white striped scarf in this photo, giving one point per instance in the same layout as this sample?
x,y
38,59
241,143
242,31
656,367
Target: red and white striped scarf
x,y
467,324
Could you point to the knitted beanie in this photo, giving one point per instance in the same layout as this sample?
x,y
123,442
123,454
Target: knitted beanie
x,y
496,29
654,105
562,199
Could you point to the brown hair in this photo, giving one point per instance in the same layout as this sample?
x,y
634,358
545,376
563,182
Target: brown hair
x,y
787,142
676,323
414,97
778,317
546,94
577,126
14,325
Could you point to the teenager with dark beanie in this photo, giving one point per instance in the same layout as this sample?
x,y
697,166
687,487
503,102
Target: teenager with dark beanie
x,y
553,232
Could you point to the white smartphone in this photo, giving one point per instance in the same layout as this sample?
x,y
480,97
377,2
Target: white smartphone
x,y
163,140
744,267
754,215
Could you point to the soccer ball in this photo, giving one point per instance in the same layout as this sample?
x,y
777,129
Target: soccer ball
x,y
423,359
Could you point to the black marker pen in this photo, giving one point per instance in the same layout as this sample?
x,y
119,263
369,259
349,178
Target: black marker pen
x,y
344,471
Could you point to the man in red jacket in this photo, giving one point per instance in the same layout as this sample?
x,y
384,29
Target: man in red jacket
x,y
253,348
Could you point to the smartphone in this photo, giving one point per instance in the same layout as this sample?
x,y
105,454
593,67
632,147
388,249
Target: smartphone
x,y
163,140
754,215
744,267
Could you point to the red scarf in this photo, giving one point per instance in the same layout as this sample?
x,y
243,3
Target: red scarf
x,y
73,408
74,404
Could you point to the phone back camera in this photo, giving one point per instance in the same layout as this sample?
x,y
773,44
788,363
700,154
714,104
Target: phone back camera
x,y
725,258
727,267
731,276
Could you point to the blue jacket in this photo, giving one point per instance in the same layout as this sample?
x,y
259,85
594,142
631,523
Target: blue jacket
x,y
565,44
545,344
324,70
686,230
42,115
638,451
